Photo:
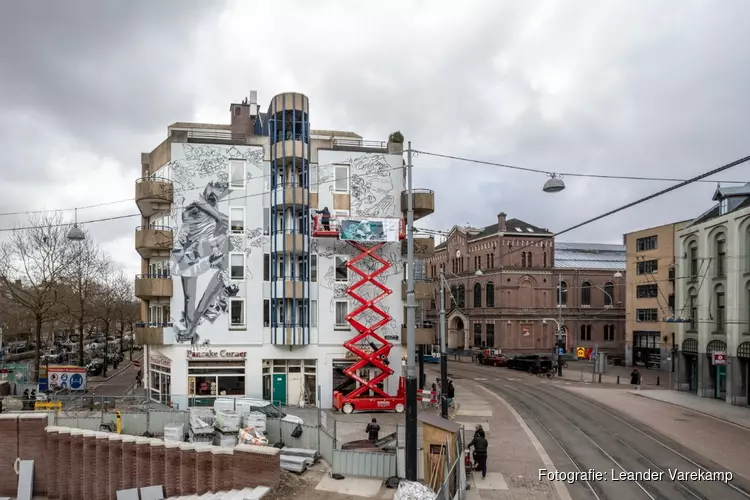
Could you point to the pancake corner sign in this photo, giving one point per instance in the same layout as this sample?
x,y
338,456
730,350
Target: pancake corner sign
x,y
204,353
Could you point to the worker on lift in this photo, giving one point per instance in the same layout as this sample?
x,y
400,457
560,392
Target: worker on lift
x,y
325,218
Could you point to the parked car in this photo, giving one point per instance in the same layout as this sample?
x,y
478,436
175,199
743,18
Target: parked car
x,y
387,444
528,363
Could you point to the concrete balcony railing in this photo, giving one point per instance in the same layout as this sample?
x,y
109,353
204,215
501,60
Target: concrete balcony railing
x,y
284,196
152,286
423,289
424,247
153,241
423,335
153,195
150,333
424,202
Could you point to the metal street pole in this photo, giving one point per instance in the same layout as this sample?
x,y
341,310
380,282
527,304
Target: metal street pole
x,y
443,350
411,323
560,329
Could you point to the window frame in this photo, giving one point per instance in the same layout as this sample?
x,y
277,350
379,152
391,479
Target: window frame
x,y
232,230
313,313
242,301
266,267
335,269
345,325
347,169
266,221
653,319
232,164
231,266
267,313
647,243
313,262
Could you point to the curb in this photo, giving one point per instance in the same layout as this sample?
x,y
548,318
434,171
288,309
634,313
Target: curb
x,y
741,426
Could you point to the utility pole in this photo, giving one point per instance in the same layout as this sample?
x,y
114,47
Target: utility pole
x,y
560,330
411,323
443,350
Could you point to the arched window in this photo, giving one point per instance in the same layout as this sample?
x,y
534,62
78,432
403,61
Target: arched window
x,y
544,263
585,332
461,299
477,295
693,306
490,291
609,294
721,309
562,294
453,299
523,259
528,260
585,293
721,255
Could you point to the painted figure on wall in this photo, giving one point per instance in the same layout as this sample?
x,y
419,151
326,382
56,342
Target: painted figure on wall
x,y
203,247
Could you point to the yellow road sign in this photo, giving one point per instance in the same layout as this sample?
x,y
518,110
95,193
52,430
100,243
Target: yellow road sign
x,y
581,352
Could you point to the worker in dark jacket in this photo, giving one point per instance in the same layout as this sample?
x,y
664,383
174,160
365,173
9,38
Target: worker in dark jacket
x,y
480,445
372,430
325,218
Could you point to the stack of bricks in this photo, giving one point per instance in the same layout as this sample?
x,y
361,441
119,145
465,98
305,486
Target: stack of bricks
x,y
142,462
9,447
63,463
53,491
76,469
222,473
115,465
88,464
156,464
32,445
203,469
256,466
171,469
187,468
101,467
127,480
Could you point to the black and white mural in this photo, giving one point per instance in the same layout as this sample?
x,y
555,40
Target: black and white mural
x,y
200,256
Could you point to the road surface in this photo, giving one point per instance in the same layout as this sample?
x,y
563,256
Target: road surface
x,y
600,444
117,383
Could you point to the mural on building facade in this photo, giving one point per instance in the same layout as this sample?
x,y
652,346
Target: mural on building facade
x,y
201,251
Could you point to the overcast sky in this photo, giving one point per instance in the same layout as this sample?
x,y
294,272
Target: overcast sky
x,y
636,87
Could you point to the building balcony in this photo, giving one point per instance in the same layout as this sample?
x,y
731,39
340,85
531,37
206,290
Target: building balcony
x,y
290,195
290,148
423,289
424,202
424,247
153,286
288,242
423,335
153,195
153,241
150,333
360,145
288,289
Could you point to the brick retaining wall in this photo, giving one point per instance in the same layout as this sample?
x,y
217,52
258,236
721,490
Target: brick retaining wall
x,y
71,463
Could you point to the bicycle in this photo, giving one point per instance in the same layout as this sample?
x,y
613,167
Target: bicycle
x,y
546,374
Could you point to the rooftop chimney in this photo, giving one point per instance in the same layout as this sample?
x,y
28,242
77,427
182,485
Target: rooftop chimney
x,y
501,222
244,115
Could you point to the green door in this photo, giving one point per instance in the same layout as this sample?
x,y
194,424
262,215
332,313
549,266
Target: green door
x,y
279,389
721,381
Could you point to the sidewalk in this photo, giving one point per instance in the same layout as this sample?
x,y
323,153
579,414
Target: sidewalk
x,y
514,459
582,371
737,415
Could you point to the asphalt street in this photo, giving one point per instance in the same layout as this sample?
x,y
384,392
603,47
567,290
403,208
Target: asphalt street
x,y
585,437
117,383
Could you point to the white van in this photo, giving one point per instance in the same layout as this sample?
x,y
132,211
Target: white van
x,y
247,405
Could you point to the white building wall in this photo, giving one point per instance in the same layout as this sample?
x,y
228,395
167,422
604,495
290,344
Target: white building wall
x,y
375,185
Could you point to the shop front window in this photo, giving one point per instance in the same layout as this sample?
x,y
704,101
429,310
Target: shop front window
x,y
212,379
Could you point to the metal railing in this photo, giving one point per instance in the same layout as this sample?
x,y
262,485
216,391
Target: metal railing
x,y
359,144
153,179
150,276
145,324
153,227
420,191
218,135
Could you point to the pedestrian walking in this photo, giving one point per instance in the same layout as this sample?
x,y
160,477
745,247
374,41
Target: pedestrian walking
x,y
480,445
372,430
138,379
635,379
451,393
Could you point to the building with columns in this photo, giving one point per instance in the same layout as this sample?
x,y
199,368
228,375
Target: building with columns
x,y
713,299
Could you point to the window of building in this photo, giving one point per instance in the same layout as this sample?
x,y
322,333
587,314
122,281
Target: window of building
x,y
237,266
313,313
647,267
544,259
341,178
341,310
693,310
477,295
649,291
478,335
529,259
490,294
585,332
266,221
237,174
586,293
670,303
646,315
237,313
694,262
721,257
723,206
523,259
562,294
721,312
461,299
645,244
160,378
609,294
313,268
453,299
266,313
237,220
609,333
211,379
266,267
342,272
490,335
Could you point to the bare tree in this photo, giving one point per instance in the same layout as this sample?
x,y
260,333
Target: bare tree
x,y
86,267
128,309
107,299
33,261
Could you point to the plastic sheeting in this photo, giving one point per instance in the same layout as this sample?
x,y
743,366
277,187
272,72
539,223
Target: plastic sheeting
x,y
408,490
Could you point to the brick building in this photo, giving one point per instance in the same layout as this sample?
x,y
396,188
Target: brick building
x,y
504,278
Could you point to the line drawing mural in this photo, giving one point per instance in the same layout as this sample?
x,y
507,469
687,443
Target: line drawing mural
x,y
203,247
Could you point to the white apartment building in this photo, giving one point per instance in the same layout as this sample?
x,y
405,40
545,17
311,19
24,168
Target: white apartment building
x,y
240,297
712,300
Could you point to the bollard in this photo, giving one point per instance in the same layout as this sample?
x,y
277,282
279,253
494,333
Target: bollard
x,y
600,378
657,380
618,380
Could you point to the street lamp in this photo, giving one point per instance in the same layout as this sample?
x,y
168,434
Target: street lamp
x,y
618,274
554,184
76,233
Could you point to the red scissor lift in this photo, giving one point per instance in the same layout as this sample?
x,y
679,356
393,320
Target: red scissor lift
x,y
367,396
